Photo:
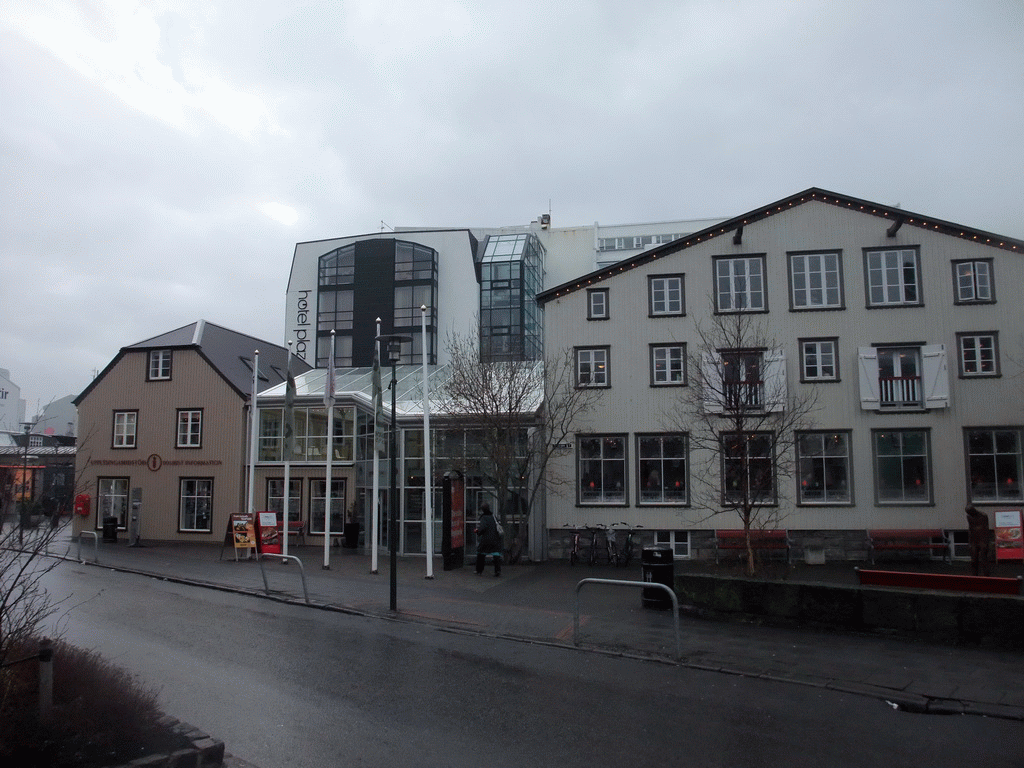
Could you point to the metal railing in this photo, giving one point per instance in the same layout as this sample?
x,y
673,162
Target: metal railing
x,y
617,582
899,390
95,542
284,559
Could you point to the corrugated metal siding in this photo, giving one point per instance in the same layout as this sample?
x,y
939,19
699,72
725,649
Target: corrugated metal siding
x,y
632,406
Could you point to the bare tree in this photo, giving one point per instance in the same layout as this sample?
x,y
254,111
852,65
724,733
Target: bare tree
x,y
743,422
523,413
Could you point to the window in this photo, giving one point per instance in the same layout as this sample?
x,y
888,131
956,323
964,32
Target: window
x,y
318,505
677,541
190,428
745,380
159,365
902,473
275,498
739,284
125,427
823,466
892,278
668,365
748,474
972,282
904,377
112,500
994,464
597,304
665,295
815,281
602,469
592,367
195,504
979,354
661,469
818,360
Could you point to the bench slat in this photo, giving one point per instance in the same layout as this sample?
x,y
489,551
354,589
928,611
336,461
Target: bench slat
x,y
941,581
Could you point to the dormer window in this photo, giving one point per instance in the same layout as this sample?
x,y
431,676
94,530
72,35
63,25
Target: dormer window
x,y
159,365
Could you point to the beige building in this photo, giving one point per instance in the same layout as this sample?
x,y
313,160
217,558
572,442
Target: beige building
x,y
163,432
905,330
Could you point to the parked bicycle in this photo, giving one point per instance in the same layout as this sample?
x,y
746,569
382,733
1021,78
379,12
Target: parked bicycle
x,y
576,549
602,544
624,554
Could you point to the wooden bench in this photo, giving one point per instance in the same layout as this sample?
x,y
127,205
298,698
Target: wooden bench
x,y
908,540
296,528
993,585
769,541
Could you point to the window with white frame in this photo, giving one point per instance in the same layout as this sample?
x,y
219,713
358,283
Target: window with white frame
x,y
823,467
597,304
159,365
125,429
748,468
195,504
906,377
740,284
815,280
601,469
112,500
318,505
979,354
818,360
275,497
972,282
668,365
893,277
737,380
677,541
994,464
902,466
190,428
665,295
592,367
662,469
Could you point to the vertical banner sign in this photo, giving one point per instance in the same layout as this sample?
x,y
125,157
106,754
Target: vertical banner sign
x,y
267,539
1009,538
458,513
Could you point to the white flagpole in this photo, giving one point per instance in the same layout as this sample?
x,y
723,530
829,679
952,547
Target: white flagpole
x,y
375,520
427,479
329,402
253,435
289,420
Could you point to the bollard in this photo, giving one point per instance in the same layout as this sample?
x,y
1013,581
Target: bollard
x,y
45,678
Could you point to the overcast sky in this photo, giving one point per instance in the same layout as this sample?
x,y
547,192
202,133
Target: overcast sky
x,y
160,158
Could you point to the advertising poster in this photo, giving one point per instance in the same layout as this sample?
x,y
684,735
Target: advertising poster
x,y
269,542
1009,540
458,514
241,531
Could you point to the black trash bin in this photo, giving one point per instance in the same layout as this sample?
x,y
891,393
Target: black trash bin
x,y
658,568
110,530
351,535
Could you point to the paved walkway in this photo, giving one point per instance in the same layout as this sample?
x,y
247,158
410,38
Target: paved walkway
x,y
536,603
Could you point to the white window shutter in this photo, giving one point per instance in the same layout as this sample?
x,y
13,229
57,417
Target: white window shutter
x,y
935,372
775,392
711,373
869,396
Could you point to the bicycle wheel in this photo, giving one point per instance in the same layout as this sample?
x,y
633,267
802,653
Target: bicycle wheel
x,y
573,557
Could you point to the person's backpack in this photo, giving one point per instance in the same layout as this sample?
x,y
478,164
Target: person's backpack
x,y
501,531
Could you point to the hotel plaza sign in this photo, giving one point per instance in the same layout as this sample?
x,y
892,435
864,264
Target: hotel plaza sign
x,y
155,462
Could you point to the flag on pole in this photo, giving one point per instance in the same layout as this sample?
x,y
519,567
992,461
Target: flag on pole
x,y
289,414
379,433
329,383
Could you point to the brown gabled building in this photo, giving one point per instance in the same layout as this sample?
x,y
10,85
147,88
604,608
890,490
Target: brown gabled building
x,y
165,424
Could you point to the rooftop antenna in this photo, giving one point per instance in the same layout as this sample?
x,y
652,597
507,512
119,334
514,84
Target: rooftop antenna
x,y
385,224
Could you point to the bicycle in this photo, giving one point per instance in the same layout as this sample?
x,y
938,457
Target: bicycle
x,y
625,553
575,551
596,548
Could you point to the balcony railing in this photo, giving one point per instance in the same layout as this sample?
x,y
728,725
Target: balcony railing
x,y
744,395
899,391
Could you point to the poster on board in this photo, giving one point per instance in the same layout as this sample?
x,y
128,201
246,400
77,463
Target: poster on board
x,y
241,531
1009,538
267,534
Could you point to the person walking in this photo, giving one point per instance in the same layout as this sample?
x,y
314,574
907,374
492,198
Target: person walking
x,y
979,536
488,541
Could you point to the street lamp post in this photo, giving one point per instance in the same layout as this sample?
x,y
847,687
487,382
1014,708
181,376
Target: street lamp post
x,y
394,347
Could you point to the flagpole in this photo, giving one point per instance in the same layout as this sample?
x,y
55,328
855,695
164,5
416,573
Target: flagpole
x,y
427,478
252,435
377,395
289,441
329,403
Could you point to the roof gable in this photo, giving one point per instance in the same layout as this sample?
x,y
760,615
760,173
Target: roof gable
x,y
898,217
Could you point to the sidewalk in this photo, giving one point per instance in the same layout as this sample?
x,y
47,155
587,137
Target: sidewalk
x,y
536,603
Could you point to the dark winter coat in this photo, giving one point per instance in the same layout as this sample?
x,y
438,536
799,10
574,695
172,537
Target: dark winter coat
x,y
487,536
